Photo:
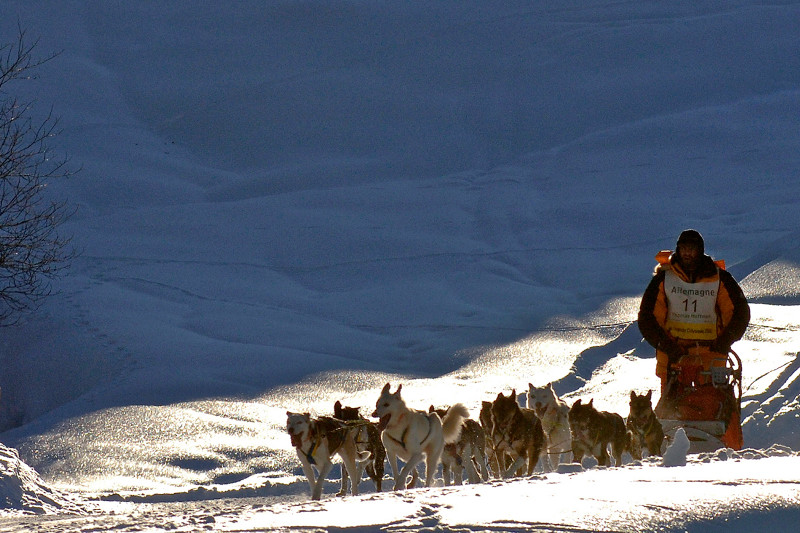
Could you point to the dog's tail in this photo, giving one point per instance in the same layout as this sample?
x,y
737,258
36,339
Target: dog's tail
x,y
453,421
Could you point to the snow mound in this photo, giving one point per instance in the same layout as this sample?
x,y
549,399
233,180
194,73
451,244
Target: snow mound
x,y
569,468
676,453
22,490
775,281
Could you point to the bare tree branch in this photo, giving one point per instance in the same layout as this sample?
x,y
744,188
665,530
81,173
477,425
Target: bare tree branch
x,y
32,251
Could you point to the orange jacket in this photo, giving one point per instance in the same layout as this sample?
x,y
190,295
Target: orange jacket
x,y
732,310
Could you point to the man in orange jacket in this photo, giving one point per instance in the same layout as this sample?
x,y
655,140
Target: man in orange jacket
x,y
691,302
691,313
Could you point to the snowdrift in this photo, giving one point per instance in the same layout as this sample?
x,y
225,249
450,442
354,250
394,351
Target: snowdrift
x,y
23,491
463,197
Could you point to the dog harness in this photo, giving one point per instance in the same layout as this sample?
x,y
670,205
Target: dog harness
x,y
402,441
324,428
649,424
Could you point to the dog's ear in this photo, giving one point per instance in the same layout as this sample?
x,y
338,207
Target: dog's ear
x,y
397,392
633,395
591,402
649,395
499,395
550,385
530,386
385,388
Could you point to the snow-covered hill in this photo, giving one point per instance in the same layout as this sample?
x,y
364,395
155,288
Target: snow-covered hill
x,y
289,203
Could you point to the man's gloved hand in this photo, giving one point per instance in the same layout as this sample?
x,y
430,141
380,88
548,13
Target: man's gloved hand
x,y
673,350
721,346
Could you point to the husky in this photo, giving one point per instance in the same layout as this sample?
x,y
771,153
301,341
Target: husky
x,y
367,439
316,440
645,429
517,433
468,453
413,435
554,415
497,461
593,431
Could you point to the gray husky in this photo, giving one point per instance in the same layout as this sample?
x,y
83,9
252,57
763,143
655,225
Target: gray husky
x,y
554,414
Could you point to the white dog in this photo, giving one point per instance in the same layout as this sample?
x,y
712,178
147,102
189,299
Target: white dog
x,y
316,440
554,415
413,435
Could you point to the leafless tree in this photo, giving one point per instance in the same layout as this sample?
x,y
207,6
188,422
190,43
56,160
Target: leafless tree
x,y
32,251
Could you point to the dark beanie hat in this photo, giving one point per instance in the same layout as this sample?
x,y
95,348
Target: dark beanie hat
x,y
691,236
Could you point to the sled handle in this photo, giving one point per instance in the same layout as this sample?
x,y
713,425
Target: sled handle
x,y
737,375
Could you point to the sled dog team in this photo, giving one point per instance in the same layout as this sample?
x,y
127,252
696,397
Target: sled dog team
x,y
507,440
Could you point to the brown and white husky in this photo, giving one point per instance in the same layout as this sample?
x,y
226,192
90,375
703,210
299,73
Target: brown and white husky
x,y
316,441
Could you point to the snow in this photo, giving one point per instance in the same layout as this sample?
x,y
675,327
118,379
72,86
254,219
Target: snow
x,y
285,204
675,454
23,490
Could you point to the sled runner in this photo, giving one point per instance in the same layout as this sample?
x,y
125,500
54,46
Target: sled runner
x,y
703,395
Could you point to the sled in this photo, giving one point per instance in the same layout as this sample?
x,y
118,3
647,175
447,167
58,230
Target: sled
x,y
704,435
703,395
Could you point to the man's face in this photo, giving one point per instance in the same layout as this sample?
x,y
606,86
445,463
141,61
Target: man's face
x,y
690,255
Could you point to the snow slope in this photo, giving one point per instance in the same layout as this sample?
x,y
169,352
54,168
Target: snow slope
x,y
286,204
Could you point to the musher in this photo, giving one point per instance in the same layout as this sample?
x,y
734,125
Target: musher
x,y
692,311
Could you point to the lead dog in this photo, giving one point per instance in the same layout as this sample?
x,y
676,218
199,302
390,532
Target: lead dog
x,y
414,435
554,414
368,439
316,440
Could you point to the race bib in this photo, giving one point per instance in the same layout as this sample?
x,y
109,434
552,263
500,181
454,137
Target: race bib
x,y
692,308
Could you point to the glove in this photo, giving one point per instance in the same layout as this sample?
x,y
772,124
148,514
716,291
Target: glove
x,y
672,371
673,350
721,346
